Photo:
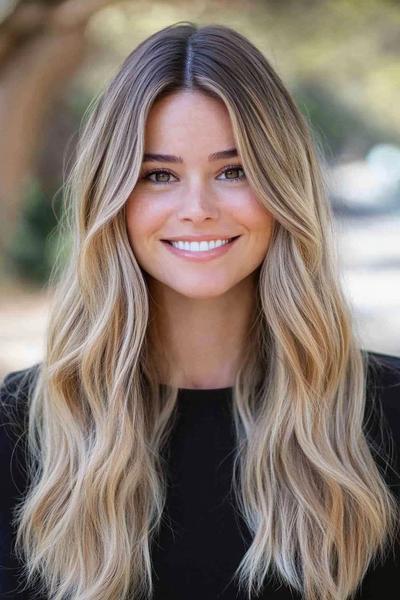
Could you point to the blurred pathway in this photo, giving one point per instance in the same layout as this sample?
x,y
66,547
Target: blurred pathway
x,y
369,254
23,319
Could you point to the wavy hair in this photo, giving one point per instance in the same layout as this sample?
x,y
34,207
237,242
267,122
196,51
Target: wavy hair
x,y
304,477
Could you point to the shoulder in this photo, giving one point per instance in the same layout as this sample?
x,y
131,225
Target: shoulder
x,y
14,393
383,387
384,369
18,383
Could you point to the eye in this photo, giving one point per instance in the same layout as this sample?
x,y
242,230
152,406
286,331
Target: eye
x,y
157,172
233,169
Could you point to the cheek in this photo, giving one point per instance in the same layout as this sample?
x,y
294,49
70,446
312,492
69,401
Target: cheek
x,y
144,218
259,224
254,216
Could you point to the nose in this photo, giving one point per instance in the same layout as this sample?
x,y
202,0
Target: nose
x,y
198,204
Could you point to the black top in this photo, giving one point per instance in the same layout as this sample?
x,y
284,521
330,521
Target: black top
x,y
203,537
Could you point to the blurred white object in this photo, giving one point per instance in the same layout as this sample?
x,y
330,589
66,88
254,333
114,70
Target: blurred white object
x,y
384,161
371,183
6,7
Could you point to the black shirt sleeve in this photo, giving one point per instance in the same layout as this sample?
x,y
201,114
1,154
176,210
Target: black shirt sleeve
x,y
382,426
14,393
382,416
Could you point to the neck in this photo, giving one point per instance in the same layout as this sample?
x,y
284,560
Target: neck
x,y
201,342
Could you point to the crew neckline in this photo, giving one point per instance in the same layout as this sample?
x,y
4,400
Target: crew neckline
x,y
205,393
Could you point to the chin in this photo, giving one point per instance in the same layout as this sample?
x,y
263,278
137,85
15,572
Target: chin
x,y
199,292
200,289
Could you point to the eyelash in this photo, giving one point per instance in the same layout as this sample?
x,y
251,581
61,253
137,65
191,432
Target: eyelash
x,y
228,168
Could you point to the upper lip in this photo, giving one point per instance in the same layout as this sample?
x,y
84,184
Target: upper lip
x,y
198,238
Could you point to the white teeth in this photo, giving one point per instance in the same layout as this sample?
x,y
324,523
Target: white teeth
x,y
199,246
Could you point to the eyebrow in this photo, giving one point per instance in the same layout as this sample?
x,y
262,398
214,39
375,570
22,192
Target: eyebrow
x,y
170,158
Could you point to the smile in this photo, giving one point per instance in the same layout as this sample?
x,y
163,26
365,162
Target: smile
x,y
201,250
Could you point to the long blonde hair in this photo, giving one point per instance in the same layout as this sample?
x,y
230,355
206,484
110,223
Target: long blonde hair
x,y
304,477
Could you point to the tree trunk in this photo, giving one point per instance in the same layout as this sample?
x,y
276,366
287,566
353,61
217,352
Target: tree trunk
x,y
41,46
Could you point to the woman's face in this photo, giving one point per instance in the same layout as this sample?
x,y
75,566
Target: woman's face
x,y
194,196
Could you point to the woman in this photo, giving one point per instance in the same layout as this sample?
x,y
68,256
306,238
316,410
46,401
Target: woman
x,y
204,423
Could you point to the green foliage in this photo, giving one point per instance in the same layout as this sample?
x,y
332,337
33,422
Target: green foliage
x,y
338,126
33,249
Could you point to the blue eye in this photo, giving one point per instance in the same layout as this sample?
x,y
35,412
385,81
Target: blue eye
x,y
164,172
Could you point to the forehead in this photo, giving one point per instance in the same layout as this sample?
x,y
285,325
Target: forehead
x,y
184,116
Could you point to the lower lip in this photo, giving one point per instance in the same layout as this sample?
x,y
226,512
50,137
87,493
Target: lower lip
x,y
204,255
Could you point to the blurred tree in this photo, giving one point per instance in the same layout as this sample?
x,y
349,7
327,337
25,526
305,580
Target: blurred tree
x,y
332,120
34,244
42,43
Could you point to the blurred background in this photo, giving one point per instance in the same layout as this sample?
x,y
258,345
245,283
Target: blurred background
x,y
339,59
